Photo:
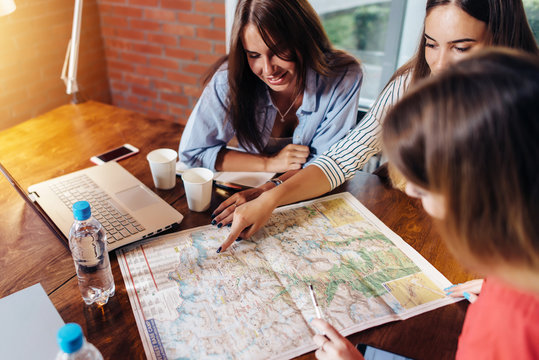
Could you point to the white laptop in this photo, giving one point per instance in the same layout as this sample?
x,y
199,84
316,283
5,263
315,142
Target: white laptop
x,y
127,209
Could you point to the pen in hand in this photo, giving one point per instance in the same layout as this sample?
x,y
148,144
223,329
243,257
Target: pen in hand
x,y
315,303
316,307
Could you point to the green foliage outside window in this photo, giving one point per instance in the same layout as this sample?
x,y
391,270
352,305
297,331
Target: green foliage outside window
x,y
532,12
361,28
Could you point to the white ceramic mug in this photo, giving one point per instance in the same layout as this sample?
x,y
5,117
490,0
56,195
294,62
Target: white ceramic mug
x,y
163,167
198,184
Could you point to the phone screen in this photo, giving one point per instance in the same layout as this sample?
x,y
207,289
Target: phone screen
x,y
372,353
114,154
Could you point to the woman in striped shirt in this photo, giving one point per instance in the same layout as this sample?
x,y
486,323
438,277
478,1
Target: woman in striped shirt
x,y
453,28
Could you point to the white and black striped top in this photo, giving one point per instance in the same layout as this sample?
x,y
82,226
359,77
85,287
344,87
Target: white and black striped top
x,y
341,161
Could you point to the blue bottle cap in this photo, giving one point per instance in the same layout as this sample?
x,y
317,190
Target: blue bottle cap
x,y
81,210
70,338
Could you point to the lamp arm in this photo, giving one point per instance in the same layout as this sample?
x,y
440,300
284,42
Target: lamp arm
x,y
72,54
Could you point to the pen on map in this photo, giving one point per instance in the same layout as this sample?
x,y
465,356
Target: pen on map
x,y
316,307
315,303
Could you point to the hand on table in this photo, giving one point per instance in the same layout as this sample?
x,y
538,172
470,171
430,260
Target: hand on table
x,y
225,211
291,157
469,290
333,345
247,219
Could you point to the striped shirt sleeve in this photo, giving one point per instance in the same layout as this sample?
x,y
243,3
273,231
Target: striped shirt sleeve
x,y
341,161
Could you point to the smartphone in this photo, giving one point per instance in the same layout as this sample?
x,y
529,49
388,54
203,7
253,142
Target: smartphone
x,y
372,353
118,153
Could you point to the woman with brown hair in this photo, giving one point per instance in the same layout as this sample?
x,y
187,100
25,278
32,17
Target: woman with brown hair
x,y
283,91
469,152
453,29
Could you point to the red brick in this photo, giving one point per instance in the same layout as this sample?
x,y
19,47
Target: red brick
x,y
130,34
137,80
166,86
176,4
113,1
146,48
134,58
176,29
120,86
117,98
180,53
114,21
114,74
196,44
121,66
158,14
208,58
143,91
211,34
195,68
220,49
144,2
163,39
118,44
160,107
145,25
182,78
125,11
219,22
164,63
196,19
210,7
176,99
150,71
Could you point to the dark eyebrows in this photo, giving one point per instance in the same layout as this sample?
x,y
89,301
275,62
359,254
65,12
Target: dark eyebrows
x,y
454,41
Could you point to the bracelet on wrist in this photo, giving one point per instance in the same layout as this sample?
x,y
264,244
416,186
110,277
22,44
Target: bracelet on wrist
x,y
276,181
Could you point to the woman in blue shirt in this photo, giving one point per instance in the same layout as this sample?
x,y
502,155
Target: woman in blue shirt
x,y
283,91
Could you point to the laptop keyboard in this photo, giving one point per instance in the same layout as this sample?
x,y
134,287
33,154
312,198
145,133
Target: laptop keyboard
x,y
116,221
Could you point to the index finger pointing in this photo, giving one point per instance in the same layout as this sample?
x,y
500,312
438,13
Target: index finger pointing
x,y
327,329
235,231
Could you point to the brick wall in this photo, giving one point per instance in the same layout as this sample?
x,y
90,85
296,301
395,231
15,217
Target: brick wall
x,y
33,42
157,50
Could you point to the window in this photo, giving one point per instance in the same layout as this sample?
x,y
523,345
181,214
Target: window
x,y
532,12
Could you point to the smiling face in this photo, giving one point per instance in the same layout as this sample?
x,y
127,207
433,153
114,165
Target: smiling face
x,y
280,75
450,35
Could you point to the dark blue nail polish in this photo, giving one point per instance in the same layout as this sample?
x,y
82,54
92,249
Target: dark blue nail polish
x,y
229,224
212,216
213,222
220,225
219,250
239,239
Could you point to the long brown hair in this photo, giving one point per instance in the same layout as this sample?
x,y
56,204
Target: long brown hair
x,y
471,134
507,25
292,31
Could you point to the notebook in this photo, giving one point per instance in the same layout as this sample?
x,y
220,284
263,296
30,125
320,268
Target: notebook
x,y
127,209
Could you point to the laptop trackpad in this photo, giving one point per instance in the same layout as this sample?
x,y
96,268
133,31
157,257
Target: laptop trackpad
x,y
136,198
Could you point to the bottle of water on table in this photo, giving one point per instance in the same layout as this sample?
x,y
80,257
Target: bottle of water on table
x,y
73,345
88,244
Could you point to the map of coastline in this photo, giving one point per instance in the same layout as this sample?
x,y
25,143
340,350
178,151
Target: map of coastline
x,y
253,302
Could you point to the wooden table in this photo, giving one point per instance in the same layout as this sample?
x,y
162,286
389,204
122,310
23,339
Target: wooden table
x,y
63,141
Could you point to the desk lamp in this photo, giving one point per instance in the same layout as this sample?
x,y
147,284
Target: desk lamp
x,y
6,7
69,75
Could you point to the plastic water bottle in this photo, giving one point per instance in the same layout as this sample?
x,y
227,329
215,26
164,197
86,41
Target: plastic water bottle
x,y
88,244
73,345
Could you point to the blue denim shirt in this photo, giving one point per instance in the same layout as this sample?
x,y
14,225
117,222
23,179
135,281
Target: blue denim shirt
x,y
328,111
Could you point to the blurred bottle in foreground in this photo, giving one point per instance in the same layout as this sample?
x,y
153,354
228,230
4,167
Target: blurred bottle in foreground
x,y
88,244
73,345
